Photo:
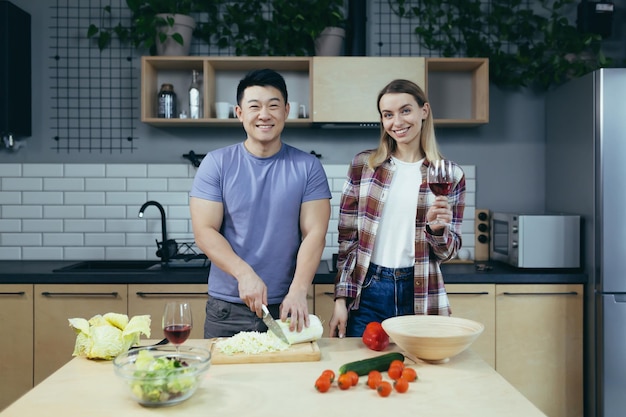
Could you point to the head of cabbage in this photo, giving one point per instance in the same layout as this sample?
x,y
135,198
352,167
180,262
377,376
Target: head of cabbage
x,y
106,336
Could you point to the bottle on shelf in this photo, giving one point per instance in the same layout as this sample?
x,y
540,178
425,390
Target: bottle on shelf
x,y
195,97
167,102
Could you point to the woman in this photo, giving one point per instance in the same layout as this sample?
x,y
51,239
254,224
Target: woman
x,y
389,255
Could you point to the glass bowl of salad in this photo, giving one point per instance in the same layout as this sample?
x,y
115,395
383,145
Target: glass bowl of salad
x,y
163,375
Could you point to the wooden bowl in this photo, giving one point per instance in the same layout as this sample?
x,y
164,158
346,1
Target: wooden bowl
x,y
432,338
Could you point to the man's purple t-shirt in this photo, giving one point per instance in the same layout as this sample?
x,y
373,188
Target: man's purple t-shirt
x,y
261,198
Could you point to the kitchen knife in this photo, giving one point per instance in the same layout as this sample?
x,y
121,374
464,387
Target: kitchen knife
x,y
272,325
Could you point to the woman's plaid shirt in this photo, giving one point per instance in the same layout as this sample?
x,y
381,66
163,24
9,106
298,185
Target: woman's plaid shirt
x,y
362,200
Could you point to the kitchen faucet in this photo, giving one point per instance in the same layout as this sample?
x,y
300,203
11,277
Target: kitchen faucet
x,y
167,248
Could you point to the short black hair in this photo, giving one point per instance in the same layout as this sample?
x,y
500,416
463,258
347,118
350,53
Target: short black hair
x,y
262,77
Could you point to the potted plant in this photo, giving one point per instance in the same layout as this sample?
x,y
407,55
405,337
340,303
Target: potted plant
x,y
154,25
273,27
533,47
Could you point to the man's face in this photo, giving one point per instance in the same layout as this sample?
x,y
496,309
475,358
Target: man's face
x,y
263,113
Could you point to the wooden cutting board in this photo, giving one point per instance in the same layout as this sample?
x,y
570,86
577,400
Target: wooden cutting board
x,y
301,352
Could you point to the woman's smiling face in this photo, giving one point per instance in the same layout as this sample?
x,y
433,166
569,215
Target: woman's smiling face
x,y
402,117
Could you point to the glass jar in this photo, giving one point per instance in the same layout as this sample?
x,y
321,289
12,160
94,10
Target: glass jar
x,y
167,102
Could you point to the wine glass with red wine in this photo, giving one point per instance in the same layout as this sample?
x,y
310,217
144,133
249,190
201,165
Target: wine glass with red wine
x,y
177,322
440,179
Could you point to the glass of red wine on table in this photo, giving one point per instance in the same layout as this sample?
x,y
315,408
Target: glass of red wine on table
x,y
440,179
177,322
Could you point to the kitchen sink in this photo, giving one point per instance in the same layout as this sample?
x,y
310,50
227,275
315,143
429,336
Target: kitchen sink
x,y
196,262
111,266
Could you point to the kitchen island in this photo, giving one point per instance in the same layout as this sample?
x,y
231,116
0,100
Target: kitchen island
x,y
465,386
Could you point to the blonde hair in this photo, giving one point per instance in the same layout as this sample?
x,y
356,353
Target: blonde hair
x,y
387,146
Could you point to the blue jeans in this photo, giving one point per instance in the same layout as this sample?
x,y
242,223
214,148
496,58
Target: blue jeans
x,y
386,292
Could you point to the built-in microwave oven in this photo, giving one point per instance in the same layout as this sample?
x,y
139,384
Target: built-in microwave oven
x,y
536,240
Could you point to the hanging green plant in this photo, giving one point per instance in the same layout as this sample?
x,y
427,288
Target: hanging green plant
x,y
272,27
531,46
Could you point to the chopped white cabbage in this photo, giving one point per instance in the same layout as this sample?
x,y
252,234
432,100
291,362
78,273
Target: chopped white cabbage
x,y
252,343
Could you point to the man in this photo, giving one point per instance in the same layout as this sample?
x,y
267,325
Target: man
x,y
260,212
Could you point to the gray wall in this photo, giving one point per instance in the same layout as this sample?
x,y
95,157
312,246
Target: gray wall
x,y
508,153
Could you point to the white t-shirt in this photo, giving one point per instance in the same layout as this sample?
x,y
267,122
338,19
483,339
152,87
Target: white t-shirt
x,y
395,238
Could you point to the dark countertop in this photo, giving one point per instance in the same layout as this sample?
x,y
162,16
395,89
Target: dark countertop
x,y
41,272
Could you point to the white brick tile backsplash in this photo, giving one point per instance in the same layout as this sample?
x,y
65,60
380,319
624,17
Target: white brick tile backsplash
x,y
63,184
22,239
105,184
105,239
90,211
165,198
179,184
83,253
125,197
10,170
42,170
36,225
42,253
126,170
22,184
105,212
63,239
63,212
42,197
146,184
84,170
10,197
10,253
84,197
22,212
13,225
84,226
167,171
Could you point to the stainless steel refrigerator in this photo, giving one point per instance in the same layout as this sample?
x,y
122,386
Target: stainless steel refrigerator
x,y
586,175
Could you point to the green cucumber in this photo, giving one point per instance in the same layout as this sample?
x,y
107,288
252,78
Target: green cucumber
x,y
379,363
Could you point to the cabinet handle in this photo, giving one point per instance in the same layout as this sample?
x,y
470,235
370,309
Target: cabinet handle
x,y
13,293
541,293
469,293
112,294
168,294
329,293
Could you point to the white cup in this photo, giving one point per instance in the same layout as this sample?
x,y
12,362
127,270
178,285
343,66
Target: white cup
x,y
223,109
296,110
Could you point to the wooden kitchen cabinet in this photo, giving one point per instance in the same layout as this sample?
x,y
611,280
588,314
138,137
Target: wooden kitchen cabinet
x,y
458,90
219,79
345,88
151,299
477,302
539,344
54,304
333,89
16,351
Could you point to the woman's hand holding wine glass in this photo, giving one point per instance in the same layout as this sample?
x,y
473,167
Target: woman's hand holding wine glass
x,y
177,322
440,180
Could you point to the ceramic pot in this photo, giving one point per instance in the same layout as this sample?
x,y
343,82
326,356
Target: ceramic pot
x,y
184,25
330,42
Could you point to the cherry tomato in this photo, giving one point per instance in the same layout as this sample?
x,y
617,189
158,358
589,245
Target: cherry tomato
x,y
322,384
401,385
384,388
329,373
394,372
354,376
397,362
344,381
409,374
373,379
